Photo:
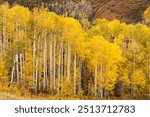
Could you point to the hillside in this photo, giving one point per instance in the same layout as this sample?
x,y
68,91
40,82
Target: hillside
x,y
129,11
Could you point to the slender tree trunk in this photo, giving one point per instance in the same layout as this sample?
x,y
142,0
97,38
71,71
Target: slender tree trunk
x,y
54,73
21,69
80,75
95,80
75,75
34,57
65,60
45,63
37,62
17,68
36,77
51,61
12,74
101,88
62,62
59,66
40,67
23,61
68,62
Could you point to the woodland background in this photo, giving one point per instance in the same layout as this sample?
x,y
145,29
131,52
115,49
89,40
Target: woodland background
x,y
62,50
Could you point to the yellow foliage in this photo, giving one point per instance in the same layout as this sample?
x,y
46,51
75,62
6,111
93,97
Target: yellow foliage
x,y
147,15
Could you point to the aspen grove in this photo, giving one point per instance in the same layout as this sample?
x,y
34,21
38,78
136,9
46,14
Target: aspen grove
x,y
45,53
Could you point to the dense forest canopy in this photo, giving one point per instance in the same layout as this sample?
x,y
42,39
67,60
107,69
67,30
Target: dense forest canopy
x,y
67,56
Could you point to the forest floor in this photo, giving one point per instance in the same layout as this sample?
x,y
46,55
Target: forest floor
x,y
8,96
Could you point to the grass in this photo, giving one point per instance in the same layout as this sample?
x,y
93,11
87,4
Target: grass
x,y
8,96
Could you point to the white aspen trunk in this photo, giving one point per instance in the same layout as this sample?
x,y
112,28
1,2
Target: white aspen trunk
x,y
75,75
17,68
101,91
54,71
40,66
16,56
80,75
34,56
59,65
62,62
23,61
101,88
37,70
95,80
21,69
36,77
68,62
51,61
12,74
45,63
62,59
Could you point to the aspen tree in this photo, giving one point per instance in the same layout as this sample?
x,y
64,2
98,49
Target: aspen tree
x,y
101,56
18,17
3,17
147,19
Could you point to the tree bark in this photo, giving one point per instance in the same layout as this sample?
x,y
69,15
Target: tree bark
x,y
45,63
62,62
36,77
12,74
80,75
37,69
21,64
59,66
65,59
54,71
95,80
34,56
51,61
75,75
17,68
68,62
